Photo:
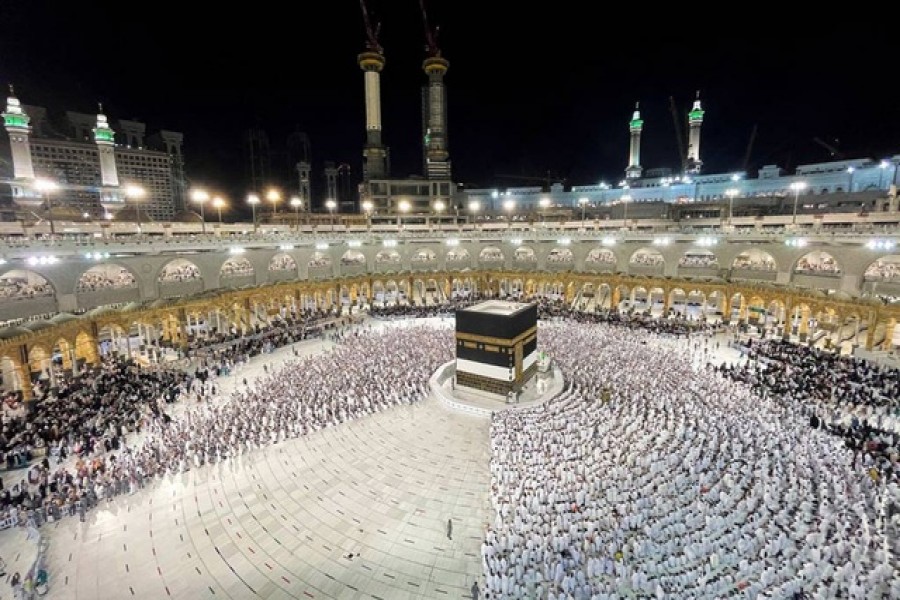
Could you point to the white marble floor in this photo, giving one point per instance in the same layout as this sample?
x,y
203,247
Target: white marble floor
x,y
280,522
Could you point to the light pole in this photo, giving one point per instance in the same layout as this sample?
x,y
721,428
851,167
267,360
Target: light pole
x,y
797,186
402,207
367,207
439,207
273,196
45,187
219,203
253,200
543,204
625,200
509,206
201,197
583,202
296,203
331,205
474,207
136,193
731,193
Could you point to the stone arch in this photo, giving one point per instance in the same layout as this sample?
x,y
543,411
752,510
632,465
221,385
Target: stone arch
x,y
524,254
656,296
86,349
236,266
14,377
423,256
178,270
601,259
817,262
603,296
458,258
106,276
39,362
491,254
698,258
647,258
388,257
737,308
560,255
282,262
21,284
319,260
884,268
755,259
352,258
639,296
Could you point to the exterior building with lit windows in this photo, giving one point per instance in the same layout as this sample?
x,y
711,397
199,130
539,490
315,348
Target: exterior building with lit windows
x,y
90,161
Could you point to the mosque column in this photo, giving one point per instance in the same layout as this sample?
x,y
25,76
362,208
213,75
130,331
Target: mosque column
x,y
870,332
889,330
803,325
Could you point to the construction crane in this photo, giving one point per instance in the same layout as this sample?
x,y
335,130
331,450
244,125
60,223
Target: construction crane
x,y
431,35
746,163
679,137
371,33
832,149
545,181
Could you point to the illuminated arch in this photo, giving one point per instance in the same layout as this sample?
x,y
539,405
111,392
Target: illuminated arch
x,y
423,255
18,284
178,269
698,259
283,262
885,268
319,260
353,258
754,260
108,276
524,254
388,257
647,257
817,262
236,266
491,254
560,256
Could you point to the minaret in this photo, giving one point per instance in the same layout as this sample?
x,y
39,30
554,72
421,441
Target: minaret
x,y
331,180
18,126
372,62
105,139
634,168
695,120
303,171
437,158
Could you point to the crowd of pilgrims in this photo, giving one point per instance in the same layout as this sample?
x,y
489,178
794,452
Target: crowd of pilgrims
x,y
366,372
652,475
112,277
853,399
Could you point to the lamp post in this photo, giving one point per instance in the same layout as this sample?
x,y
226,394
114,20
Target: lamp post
x,y
201,197
509,206
296,203
730,193
45,187
273,196
583,202
474,207
219,203
625,200
367,207
136,193
331,205
253,200
439,207
797,186
402,207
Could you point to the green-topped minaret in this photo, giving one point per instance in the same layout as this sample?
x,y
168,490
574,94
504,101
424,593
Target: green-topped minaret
x,y
105,138
634,168
18,126
695,120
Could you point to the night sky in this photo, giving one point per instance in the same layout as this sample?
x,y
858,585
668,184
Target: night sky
x,y
529,90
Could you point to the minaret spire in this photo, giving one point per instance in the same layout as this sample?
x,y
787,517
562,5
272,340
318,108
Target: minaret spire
x,y
105,138
695,121
371,61
634,169
437,157
18,126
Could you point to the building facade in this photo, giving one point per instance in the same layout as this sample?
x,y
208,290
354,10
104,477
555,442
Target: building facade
x,y
91,163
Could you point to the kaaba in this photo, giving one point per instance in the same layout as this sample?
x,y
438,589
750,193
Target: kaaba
x,y
496,346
